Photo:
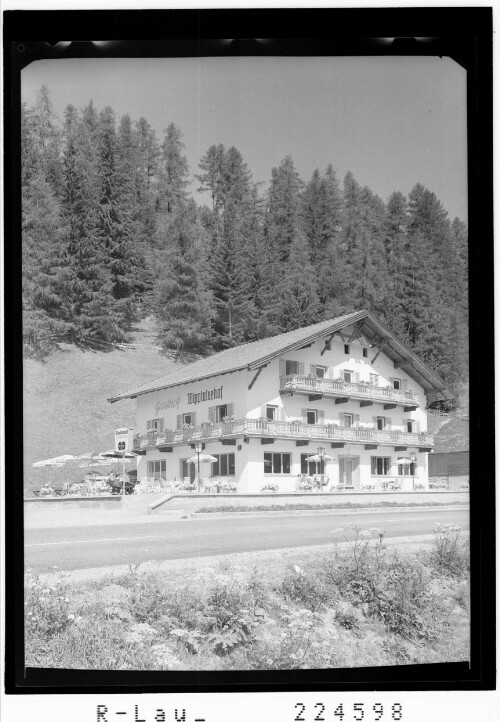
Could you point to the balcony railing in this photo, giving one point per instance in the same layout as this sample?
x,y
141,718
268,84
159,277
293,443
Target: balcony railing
x,y
337,387
282,430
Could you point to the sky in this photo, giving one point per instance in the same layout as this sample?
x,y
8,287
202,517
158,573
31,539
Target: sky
x,y
392,121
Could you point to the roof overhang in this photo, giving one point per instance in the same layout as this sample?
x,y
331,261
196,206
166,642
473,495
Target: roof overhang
x,y
374,330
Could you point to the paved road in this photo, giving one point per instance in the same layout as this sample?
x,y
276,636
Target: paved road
x,y
107,545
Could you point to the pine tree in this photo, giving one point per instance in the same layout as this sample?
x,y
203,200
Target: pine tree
x,y
299,304
174,171
283,219
182,301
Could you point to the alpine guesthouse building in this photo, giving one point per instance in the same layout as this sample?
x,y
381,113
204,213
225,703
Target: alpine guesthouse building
x,y
344,389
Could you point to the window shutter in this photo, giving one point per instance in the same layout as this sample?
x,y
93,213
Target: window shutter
x,y
161,424
313,369
211,414
301,369
374,465
230,409
263,412
179,421
341,418
356,377
374,421
150,425
417,426
404,384
281,413
193,418
282,367
388,423
356,419
321,416
303,413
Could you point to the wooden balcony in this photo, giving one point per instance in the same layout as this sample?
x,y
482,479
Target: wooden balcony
x,y
281,430
313,385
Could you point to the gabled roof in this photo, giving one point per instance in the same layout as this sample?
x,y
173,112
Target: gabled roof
x,y
258,353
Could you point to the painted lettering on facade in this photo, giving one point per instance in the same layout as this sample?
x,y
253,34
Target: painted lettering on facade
x,y
208,395
168,404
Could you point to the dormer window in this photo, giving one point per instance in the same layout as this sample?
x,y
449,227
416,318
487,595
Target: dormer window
x,y
365,353
346,348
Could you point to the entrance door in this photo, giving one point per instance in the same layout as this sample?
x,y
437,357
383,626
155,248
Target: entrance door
x,y
348,472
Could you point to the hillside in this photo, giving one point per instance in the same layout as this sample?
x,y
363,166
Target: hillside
x,y
65,406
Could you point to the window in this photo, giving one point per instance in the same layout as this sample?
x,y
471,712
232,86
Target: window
x,y
374,379
347,375
157,469
406,469
348,420
312,416
220,413
346,348
155,425
381,465
291,368
409,426
381,421
187,419
271,413
277,463
309,467
320,372
224,466
396,383
365,353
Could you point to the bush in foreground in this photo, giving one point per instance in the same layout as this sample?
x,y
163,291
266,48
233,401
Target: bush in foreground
x,y
359,605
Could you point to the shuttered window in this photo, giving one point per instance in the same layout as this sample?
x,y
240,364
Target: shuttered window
x,y
155,425
294,367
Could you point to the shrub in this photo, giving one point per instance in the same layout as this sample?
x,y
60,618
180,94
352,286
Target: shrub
x,y
47,605
306,589
449,554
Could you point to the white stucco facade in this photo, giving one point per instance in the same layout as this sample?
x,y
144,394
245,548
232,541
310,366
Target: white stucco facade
x,y
347,399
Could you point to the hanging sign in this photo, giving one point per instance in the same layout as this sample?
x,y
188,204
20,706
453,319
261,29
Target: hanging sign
x,y
124,439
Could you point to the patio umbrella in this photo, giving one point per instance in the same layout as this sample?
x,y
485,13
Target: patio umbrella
x,y
47,462
95,462
317,457
200,459
203,457
57,461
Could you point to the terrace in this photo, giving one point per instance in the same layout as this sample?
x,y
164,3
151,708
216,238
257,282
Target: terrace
x,y
364,391
264,429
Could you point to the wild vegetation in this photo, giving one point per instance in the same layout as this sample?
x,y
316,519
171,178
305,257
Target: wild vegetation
x,y
111,234
361,604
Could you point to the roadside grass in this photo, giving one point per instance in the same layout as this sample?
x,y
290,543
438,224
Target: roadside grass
x,y
358,604
304,506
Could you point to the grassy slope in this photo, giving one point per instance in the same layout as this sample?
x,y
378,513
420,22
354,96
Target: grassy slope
x,y
66,409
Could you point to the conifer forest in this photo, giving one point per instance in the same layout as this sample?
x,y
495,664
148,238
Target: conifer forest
x,y
112,234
